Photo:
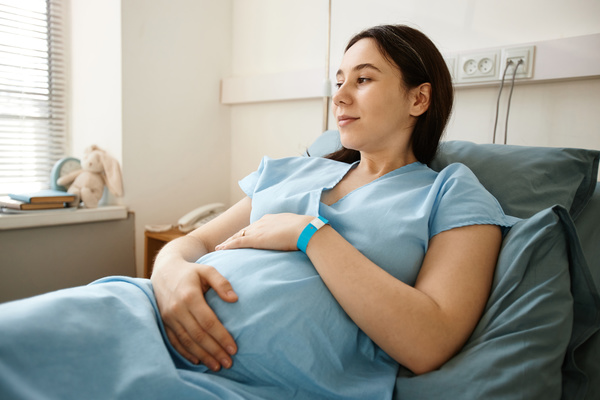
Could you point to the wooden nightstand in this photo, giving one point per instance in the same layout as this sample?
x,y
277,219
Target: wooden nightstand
x,y
154,241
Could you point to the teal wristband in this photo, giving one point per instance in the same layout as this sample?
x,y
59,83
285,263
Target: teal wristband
x,y
309,231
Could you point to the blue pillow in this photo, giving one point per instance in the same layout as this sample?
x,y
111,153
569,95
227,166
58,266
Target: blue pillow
x,y
527,179
588,228
581,372
325,144
520,343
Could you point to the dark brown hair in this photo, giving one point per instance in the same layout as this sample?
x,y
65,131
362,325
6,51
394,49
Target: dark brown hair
x,y
419,62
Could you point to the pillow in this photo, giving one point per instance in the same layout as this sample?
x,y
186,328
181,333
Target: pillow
x,y
588,229
520,342
527,179
581,373
524,179
325,144
588,355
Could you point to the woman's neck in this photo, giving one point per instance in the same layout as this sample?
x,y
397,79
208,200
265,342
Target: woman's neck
x,y
377,165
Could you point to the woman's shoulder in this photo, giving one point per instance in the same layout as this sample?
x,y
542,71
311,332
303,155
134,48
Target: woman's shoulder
x,y
456,171
299,165
459,180
297,169
296,161
462,200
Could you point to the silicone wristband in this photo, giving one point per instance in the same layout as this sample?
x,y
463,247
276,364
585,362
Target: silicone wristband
x,y
309,231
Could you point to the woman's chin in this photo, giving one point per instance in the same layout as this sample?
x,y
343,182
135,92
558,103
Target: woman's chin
x,y
348,139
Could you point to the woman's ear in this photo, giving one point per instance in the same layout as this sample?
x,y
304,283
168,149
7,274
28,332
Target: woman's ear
x,y
421,99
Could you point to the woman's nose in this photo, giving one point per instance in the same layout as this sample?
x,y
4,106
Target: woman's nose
x,y
341,96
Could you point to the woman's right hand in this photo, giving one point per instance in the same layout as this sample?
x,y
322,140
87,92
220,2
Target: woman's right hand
x,y
191,325
180,284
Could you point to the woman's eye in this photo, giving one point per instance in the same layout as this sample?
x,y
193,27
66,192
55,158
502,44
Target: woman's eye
x,y
338,85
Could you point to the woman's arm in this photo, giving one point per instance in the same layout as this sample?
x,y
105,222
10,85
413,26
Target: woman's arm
x,y
179,285
421,327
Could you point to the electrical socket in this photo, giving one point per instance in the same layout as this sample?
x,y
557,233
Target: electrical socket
x,y
477,67
514,54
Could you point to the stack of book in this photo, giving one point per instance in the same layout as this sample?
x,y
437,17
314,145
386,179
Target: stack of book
x,y
38,201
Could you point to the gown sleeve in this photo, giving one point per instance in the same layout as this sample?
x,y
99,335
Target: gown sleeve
x,y
462,200
248,184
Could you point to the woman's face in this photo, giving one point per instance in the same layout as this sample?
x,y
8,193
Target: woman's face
x,y
371,106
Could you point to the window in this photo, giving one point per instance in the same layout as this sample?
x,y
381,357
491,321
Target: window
x,y
32,93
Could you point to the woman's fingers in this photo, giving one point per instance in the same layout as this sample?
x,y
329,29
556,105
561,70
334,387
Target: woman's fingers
x,y
270,232
236,241
211,337
191,325
213,279
206,317
179,347
199,356
198,339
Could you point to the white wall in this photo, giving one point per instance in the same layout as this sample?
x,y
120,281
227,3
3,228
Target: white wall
x,y
470,24
175,131
145,86
95,76
271,36
269,40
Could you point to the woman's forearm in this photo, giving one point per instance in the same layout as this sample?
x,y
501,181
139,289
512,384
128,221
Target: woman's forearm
x,y
417,329
390,312
184,249
191,247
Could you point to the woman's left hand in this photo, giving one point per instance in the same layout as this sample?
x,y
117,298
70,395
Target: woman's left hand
x,y
271,232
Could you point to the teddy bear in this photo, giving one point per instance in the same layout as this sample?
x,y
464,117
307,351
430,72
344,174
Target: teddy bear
x,y
97,169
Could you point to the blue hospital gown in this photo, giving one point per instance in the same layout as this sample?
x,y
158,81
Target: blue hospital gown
x,y
294,339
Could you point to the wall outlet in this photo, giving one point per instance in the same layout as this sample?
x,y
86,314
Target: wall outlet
x,y
516,54
477,67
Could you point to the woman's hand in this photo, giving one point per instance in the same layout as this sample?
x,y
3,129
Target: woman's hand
x,y
271,232
191,325
180,284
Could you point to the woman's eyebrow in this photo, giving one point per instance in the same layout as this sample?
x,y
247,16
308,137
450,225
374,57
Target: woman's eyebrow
x,y
359,67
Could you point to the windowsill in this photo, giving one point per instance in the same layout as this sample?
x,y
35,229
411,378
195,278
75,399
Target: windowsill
x,y
51,218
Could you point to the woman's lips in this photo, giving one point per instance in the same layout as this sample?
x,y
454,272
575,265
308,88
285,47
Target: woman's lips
x,y
345,120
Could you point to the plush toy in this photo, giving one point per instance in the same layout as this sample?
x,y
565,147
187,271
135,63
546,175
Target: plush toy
x,y
97,169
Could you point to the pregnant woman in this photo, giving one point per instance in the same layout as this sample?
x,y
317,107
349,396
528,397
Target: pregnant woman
x,y
330,274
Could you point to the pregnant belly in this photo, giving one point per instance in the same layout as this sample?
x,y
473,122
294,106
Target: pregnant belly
x,y
288,327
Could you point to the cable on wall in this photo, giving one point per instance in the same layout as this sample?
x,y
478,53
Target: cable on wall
x,y
508,63
512,86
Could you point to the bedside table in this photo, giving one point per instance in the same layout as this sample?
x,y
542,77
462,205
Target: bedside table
x,y
153,242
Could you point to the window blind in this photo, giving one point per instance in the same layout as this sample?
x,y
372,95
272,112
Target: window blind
x,y
32,93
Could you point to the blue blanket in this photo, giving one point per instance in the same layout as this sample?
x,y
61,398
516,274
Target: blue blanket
x,y
106,341
96,342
